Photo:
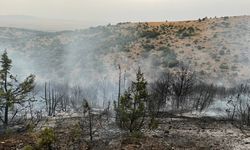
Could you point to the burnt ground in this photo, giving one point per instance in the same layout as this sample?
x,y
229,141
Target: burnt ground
x,y
180,133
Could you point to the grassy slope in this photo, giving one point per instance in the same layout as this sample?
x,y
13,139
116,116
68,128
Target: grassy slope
x,y
217,49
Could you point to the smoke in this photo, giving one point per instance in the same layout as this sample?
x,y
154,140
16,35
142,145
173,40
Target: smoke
x,y
235,45
72,58
90,58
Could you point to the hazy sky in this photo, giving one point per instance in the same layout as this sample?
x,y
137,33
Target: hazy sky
x,y
113,11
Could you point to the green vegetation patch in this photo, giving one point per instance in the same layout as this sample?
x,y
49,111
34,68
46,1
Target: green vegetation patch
x,y
148,47
186,32
224,66
169,59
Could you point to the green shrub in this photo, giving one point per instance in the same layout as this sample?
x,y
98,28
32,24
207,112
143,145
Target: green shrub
x,y
125,49
136,135
30,127
200,47
28,147
224,66
150,34
185,32
173,63
225,24
205,18
131,109
153,124
47,138
165,49
217,59
75,132
8,131
148,47
170,59
221,52
226,18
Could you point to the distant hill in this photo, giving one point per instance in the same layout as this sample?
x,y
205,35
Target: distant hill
x,y
217,49
44,24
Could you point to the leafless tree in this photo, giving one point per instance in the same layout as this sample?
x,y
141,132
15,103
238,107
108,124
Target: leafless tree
x,y
76,97
55,94
239,105
91,121
183,83
203,96
160,92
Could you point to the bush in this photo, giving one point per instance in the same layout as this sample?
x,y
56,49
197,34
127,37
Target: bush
x,y
224,66
225,24
153,124
8,131
173,63
238,105
221,52
148,47
186,32
170,60
150,34
165,49
47,138
226,18
234,68
205,18
136,135
28,147
30,127
131,108
200,47
203,96
183,85
75,132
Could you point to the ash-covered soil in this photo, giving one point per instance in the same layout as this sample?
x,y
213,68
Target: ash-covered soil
x,y
179,133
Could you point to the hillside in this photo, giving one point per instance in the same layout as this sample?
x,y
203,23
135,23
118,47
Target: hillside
x,y
218,49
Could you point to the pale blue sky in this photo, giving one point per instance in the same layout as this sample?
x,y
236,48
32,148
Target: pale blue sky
x,y
113,11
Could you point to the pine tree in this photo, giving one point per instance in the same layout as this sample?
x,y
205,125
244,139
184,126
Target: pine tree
x,y
132,107
11,91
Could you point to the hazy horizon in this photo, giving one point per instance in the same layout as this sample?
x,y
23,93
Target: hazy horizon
x,y
96,12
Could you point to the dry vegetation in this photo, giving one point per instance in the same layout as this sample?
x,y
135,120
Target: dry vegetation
x,y
216,49
173,133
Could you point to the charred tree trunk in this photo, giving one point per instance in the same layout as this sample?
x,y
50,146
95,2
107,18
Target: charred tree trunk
x,y
6,114
90,126
45,96
119,88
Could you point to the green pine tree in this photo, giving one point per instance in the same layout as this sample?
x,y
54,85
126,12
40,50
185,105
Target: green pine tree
x,y
11,91
132,107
